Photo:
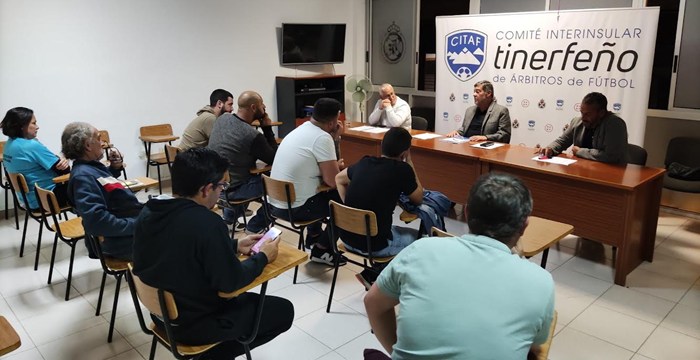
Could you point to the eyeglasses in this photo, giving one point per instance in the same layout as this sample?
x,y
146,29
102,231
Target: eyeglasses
x,y
224,185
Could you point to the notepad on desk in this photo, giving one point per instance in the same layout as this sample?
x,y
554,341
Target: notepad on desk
x,y
556,160
427,136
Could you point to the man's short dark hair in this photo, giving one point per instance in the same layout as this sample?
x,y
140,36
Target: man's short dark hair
x,y
396,141
219,94
194,168
15,120
597,99
326,110
498,206
486,86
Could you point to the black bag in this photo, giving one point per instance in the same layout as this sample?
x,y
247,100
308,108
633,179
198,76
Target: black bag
x,y
683,172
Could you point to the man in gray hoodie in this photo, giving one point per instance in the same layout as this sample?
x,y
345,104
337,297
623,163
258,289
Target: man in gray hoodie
x,y
198,131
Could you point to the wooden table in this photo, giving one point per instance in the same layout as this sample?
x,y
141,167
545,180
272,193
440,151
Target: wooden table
x,y
612,204
9,340
133,184
287,258
256,123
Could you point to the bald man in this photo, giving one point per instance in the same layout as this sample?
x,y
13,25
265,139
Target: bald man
x,y
390,110
242,145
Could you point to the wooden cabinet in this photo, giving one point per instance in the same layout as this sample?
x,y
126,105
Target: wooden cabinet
x,y
294,93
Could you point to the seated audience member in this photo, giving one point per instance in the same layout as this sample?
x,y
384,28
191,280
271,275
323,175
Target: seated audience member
x,y
182,246
375,183
24,154
242,145
108,208
390,110
307,158
485,120
198,132
597,134
482,301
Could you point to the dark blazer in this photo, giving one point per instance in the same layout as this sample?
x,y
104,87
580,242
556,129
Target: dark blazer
x,y
496,125
609,140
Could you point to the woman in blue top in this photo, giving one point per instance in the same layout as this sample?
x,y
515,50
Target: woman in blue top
x,y
26,155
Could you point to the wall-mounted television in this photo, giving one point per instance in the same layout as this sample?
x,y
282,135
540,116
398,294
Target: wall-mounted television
x,y
304,44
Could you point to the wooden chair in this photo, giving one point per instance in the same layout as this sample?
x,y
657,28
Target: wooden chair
x,y
170,154
19,189
162,304
7,187
9,340
110,266
283,191
540,235
69,231
439,233
357,221
153,132
544,348
107,144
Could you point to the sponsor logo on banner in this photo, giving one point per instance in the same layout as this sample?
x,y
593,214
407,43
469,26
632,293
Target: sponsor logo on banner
x,y
465,53
549,128
515,124
617,106
577,107
465,97
560,104
531,124
525,103
445,115
509,100
541,104
458,118
452,97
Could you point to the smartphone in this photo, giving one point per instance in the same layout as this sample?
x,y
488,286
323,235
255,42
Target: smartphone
x,y
486,144
270,235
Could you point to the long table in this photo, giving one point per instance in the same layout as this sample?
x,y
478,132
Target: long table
x,y
611,204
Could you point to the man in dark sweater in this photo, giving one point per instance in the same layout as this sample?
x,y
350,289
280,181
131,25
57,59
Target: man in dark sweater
x,y
242,145
180,245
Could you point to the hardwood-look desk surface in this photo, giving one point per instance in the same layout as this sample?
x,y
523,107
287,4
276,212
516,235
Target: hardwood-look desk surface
x,y
612,204
287,258
256,123
158,138
143,182
9,340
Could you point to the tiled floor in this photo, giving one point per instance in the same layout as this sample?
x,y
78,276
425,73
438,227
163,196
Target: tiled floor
x,y
656,317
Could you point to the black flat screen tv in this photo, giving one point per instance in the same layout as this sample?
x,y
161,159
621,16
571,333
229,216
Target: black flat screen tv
x,y
304,44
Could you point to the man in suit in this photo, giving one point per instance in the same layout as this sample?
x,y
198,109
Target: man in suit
x,y
486,120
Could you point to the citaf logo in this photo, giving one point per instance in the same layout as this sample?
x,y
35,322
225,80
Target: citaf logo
x,y
466,50
617,106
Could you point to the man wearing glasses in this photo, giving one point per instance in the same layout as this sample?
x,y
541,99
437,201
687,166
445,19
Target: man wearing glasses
x,y
390,110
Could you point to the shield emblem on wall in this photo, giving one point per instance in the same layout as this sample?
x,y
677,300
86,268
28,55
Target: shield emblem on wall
x,y
465,53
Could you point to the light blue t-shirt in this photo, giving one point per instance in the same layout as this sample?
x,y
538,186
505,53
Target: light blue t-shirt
x,y
467,297
33,160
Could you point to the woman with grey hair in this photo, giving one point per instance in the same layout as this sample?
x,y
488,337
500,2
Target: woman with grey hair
x,y
108,209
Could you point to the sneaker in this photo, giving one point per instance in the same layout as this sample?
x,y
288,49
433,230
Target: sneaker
x,y
310,241
250,232
228,221
324,256
366,283
238,227
248,212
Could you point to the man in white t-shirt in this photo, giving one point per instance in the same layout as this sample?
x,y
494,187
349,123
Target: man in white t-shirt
x,y
308,159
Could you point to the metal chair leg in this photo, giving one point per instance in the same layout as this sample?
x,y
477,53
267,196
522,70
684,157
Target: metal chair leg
x,y
114,308
53,257
38,245
102,290
70,270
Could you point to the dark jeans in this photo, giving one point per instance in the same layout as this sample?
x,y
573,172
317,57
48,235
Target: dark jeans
x,y
252,188
236,321
315,207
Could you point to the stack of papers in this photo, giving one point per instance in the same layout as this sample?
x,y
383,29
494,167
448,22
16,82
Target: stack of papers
x,y
427,136
455,140
556,160
370,129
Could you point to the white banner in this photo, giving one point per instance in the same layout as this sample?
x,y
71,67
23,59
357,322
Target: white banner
x,y
542,64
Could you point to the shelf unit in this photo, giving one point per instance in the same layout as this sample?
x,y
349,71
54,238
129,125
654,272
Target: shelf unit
x,y
294,93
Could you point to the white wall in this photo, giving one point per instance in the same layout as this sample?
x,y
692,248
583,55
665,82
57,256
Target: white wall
x,y
124,64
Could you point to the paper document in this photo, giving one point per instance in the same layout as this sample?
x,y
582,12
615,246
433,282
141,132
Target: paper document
x,y
493,145
556,160
377,130
427,136
455,140
130,183
362,128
